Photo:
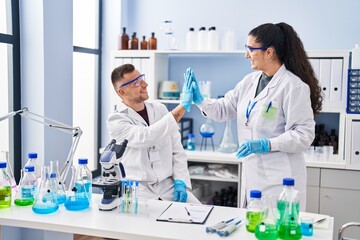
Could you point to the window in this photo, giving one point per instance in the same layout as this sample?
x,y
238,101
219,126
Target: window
x,y
10,138
86,78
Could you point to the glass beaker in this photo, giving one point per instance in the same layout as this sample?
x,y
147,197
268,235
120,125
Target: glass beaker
x,y
228,144
267,229
27,187
56,182
77,198
45,200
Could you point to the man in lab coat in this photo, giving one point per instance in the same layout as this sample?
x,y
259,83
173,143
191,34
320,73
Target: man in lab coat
x,y
154,156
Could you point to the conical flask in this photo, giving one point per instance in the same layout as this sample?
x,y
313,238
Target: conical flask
x,y
77,197
5,188
45,197
27,187
56,182
267,229
228,144
4,157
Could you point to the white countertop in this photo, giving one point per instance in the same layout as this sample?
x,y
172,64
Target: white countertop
x,y
114,225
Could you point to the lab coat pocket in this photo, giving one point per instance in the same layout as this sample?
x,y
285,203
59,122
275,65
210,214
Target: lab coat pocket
x,y
276,166
269,115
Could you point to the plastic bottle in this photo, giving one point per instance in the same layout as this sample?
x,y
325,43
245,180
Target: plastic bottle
x,y
228,42
45,199
124,41
33,162
202,39
152,42
355,57
5,187
191,142
27,187
255,211
288,209
144,44
134,42
213,39
191,40
56,182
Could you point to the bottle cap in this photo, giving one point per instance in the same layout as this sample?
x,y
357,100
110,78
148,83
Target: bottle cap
x,y
191,135
255,194
29,168
2,164
137,183
288,182
83,161
191,29
53,175
202,29
32,155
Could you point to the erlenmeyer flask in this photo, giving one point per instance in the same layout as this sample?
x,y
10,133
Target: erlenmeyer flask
x,y
4,157
5,188
267,229
77,197
56,182
27,187
45,197
228,144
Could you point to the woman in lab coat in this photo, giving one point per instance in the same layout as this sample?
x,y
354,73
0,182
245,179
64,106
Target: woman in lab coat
x,y
274,108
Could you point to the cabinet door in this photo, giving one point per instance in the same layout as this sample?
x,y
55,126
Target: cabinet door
x,y
343,205
355,143
312,199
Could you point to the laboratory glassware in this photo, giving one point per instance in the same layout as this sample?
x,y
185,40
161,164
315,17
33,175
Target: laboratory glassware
x,y
207,130
152,42
134,42
124,40
5,187
228,144
190,142
267,229
45,198
33,162
56,182
191,40
4,157
288,208
27,187
255,211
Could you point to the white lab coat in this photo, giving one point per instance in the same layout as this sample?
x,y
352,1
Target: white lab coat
x,y
288,124
154,155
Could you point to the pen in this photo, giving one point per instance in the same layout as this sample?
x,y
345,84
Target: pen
x,y
188,213
267,110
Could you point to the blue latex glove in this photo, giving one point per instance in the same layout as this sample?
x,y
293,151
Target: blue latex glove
x,y
198,97
180,194
253,146
187,95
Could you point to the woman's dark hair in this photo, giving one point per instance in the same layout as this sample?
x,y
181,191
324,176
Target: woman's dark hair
x,y
290,50
119,72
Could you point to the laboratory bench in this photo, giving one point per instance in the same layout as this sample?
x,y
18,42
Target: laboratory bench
x,y
110,224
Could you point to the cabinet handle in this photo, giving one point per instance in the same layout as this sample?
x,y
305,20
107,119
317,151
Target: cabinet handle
x,y
356,152
335,88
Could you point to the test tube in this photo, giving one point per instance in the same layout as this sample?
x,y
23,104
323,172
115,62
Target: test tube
x,y
127,196
123,189
135,186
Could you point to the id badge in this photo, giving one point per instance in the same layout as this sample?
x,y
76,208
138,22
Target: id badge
x,y
154,154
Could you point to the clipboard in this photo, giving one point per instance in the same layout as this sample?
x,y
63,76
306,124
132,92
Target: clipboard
x,y
185,213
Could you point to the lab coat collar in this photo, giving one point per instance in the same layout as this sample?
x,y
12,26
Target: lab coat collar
x,y
122,107
272,84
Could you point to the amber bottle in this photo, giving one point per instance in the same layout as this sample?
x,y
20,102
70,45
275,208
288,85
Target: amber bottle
x,y
124,41
144,44
152,42
134,43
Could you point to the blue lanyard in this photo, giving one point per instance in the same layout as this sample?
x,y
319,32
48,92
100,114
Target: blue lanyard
x,y
248,111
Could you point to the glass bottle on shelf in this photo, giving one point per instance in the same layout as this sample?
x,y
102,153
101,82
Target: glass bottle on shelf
x,y
45,198
191,142
144,44
33,162
27,187
134,42
124,41
228,144
152,42
5,187
56,182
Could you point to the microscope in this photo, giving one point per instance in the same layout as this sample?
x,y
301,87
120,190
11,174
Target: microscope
x,y
112,171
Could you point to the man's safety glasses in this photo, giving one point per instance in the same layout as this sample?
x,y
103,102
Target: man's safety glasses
x,y
136,82
249,49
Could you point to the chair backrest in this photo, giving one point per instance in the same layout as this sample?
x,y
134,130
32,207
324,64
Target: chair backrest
x,y
344,227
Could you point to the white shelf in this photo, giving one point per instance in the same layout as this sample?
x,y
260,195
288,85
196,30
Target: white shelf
x,y
168,101
213,178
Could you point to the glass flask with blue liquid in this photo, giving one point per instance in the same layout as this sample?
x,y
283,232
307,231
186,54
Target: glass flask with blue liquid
x,y
207,130
80,190
27,187
45,197
56,182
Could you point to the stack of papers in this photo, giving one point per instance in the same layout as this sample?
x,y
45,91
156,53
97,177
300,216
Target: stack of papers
x,y
186,213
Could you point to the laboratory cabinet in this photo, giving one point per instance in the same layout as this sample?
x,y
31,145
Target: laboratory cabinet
x,y
312,189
